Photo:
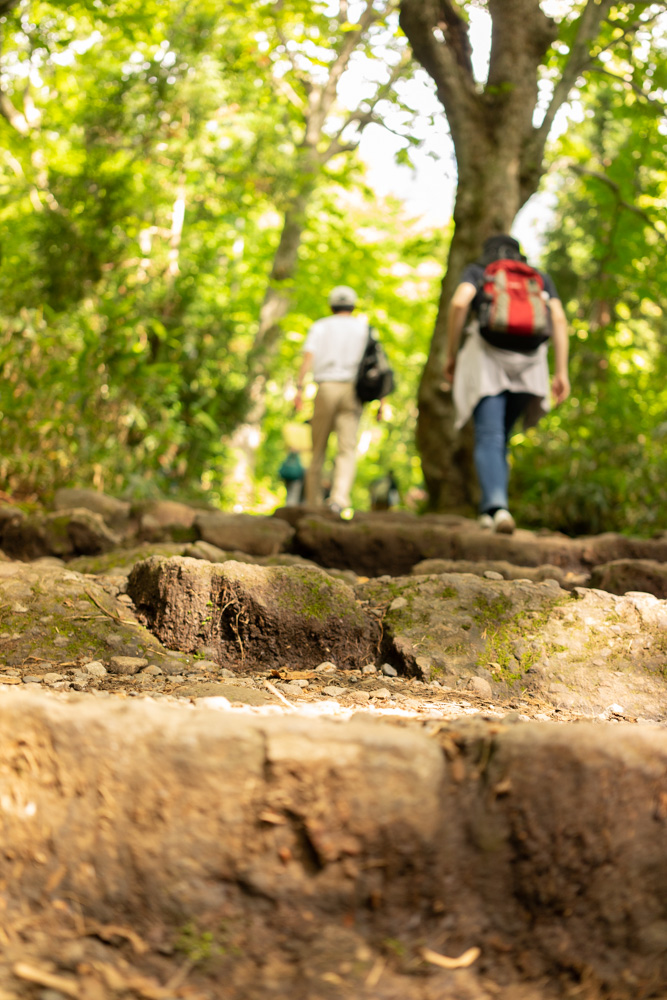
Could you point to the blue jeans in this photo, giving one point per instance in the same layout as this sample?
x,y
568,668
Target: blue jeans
x,y
494,418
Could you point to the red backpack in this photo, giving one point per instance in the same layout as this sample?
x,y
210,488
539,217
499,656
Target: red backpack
x,y
514,307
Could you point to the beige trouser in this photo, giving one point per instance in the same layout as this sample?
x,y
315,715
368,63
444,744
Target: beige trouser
x,y
337,409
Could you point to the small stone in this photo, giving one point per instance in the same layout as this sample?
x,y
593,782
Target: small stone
x,y
381,694
480,687
204,665
207,651
61,640
616,710
227,673
360,697
151,671
170,666
4,679
398,603
53,678
327,667
126,664
32,679
388,670
370,668
95,668
293,689
125,599
424,664
490,574
333,691
19,609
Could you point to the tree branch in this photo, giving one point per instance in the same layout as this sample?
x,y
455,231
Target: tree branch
x,y
422,21
15,117
580,58
582,171
628,83
368,117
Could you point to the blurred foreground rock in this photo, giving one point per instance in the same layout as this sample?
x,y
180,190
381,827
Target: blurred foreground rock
x,y
299,852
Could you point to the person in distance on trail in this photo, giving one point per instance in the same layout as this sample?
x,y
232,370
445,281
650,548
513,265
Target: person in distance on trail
x,y
498,384
333,349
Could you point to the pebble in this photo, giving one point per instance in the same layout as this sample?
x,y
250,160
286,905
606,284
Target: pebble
x,y
327,667
360,697
32,679
95,668
490,574
381,693
169,665
370,668
480,686
398,603
388,670
333,691
151,671
126,664
53,678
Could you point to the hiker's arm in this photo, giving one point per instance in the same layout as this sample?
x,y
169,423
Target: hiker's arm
x,y
560,383
456,317
306,365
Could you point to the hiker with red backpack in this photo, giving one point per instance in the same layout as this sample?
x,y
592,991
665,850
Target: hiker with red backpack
x,y
510,312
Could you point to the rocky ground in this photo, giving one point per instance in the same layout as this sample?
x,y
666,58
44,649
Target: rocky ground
x,y
396,756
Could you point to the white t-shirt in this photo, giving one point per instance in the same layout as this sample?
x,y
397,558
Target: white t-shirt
x,y
337,343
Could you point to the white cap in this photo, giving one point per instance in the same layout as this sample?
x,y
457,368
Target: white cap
x,y
343,295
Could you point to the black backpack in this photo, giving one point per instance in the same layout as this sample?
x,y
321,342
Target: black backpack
x,y
375,377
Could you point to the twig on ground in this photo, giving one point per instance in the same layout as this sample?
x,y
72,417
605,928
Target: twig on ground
x,y
462,962
274,690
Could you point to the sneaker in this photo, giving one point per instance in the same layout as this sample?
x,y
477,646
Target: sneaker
x,y
335,508
503,522
485,521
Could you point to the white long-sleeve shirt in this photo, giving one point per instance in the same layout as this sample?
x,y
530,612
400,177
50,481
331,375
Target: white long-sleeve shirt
x,y
483,370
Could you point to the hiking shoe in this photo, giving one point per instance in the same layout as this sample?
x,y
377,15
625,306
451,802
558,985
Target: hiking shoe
x,y
503,522
485,521
335,508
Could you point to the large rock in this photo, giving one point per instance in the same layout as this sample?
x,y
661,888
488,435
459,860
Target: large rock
x,y
508,571
583,651
162,520
258,536
253,616
378,544
116,513
623,575
63,534
305,855
53,615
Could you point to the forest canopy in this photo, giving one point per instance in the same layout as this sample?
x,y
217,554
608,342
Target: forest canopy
x,y
180,187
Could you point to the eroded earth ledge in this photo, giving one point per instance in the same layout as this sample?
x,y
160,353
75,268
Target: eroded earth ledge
x,y
320,861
